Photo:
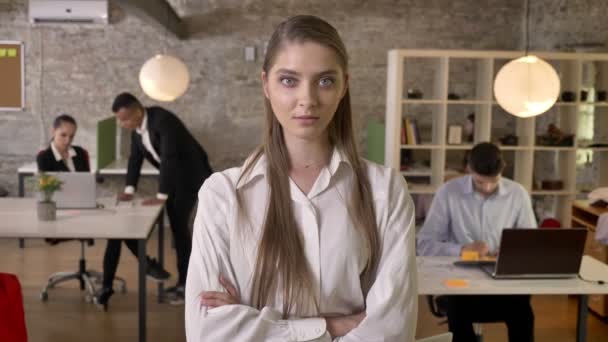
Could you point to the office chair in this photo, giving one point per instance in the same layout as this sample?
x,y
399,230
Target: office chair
x,y
438,306
87,278
12,315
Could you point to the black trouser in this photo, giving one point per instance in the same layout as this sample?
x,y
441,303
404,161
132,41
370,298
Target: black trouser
x,y
179,207
179,210
514,310
111,257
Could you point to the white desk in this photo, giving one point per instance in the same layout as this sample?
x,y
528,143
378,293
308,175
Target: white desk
x,y
433,271
119,168
116,168
18,218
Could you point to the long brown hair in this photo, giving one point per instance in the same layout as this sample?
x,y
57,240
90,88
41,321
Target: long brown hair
x,y
281,263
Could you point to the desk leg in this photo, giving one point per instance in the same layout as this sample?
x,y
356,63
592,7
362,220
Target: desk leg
x,y
581,322
141,256
161,252
21,194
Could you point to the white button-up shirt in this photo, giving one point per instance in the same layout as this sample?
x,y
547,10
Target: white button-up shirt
x,y
69,163
333,249
145,139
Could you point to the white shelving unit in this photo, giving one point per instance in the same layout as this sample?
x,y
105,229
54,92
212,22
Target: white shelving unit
x,y
470,74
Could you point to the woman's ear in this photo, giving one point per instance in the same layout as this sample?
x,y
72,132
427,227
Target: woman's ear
x,y
264,77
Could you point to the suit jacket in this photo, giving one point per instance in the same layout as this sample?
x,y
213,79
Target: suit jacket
x,y
183,164
47,163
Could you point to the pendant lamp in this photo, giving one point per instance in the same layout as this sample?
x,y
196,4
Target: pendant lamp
x,y
164,78
527,86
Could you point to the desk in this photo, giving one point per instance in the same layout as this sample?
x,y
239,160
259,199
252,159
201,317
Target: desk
x,y
116,168
584,215
18,219
432,271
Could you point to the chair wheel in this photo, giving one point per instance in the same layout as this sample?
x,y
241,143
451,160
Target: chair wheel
x,y
44,296
123,289
88,298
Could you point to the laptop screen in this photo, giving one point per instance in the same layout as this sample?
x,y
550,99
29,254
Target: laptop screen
x,y
78,190
541,251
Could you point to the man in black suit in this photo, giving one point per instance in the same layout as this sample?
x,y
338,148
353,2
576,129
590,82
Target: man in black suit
x,y
162,139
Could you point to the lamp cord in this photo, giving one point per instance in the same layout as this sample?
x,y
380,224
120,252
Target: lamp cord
x,y
526,24
166,40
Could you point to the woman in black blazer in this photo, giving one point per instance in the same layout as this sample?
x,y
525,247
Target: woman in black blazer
x,y
61,155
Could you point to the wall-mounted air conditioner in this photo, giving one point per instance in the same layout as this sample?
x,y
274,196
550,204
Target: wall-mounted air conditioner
x,y
68,11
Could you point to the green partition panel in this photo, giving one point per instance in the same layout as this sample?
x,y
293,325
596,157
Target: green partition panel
x,y
106,142
375,141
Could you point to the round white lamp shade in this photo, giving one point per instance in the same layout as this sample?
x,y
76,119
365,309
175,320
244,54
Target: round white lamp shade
x,y
164,78
526,86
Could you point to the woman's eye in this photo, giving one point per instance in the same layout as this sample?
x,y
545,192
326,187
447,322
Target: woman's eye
x,y
289,82
326,82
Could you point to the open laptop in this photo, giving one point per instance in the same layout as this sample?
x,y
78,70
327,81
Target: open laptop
x,y
77,192
539,253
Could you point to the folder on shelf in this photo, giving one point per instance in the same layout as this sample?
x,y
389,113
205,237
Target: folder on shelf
x,y
411,139
403,133
414,125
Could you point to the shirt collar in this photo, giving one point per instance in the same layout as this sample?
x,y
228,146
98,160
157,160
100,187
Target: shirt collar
x,y
259,169
469,189
143,128
57,154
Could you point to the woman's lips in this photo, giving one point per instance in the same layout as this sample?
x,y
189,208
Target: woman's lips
x,y
306,120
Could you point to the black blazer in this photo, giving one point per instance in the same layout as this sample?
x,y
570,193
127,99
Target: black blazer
x,y
47,163
184,164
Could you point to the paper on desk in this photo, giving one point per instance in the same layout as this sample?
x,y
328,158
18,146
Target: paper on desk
x,y
456,283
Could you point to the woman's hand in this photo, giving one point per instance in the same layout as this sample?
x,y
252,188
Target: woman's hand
x,y
342,325
214,299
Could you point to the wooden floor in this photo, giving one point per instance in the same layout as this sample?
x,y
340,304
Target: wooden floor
x,y
68,317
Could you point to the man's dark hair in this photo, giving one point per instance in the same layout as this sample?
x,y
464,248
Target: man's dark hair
x,y
485,159
125,100
63,118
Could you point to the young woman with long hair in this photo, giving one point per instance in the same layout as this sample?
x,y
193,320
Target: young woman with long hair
x,y
306,241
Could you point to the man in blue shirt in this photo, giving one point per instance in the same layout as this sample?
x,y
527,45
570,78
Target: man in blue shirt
x,y
469,214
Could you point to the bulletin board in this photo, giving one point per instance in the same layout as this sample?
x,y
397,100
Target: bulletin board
x,y
12,77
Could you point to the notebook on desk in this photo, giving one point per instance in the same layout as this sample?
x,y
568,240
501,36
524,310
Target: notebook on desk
x,y
78,190
538,254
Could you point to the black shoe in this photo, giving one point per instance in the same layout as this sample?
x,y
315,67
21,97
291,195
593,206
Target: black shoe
x,y
176,295
155,272
102,298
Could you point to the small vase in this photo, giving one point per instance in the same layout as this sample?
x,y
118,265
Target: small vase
x,y
47,211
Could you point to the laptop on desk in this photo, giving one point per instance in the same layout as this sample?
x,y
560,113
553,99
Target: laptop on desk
x,y
78,190
538,254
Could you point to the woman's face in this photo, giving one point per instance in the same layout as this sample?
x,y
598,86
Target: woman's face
x,y
64,135
304,87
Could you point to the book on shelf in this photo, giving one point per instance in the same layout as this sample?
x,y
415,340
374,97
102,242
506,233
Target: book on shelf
x,y
410,134
414,124
403,134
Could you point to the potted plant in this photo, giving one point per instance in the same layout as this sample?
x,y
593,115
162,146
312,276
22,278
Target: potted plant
x,y
47,185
